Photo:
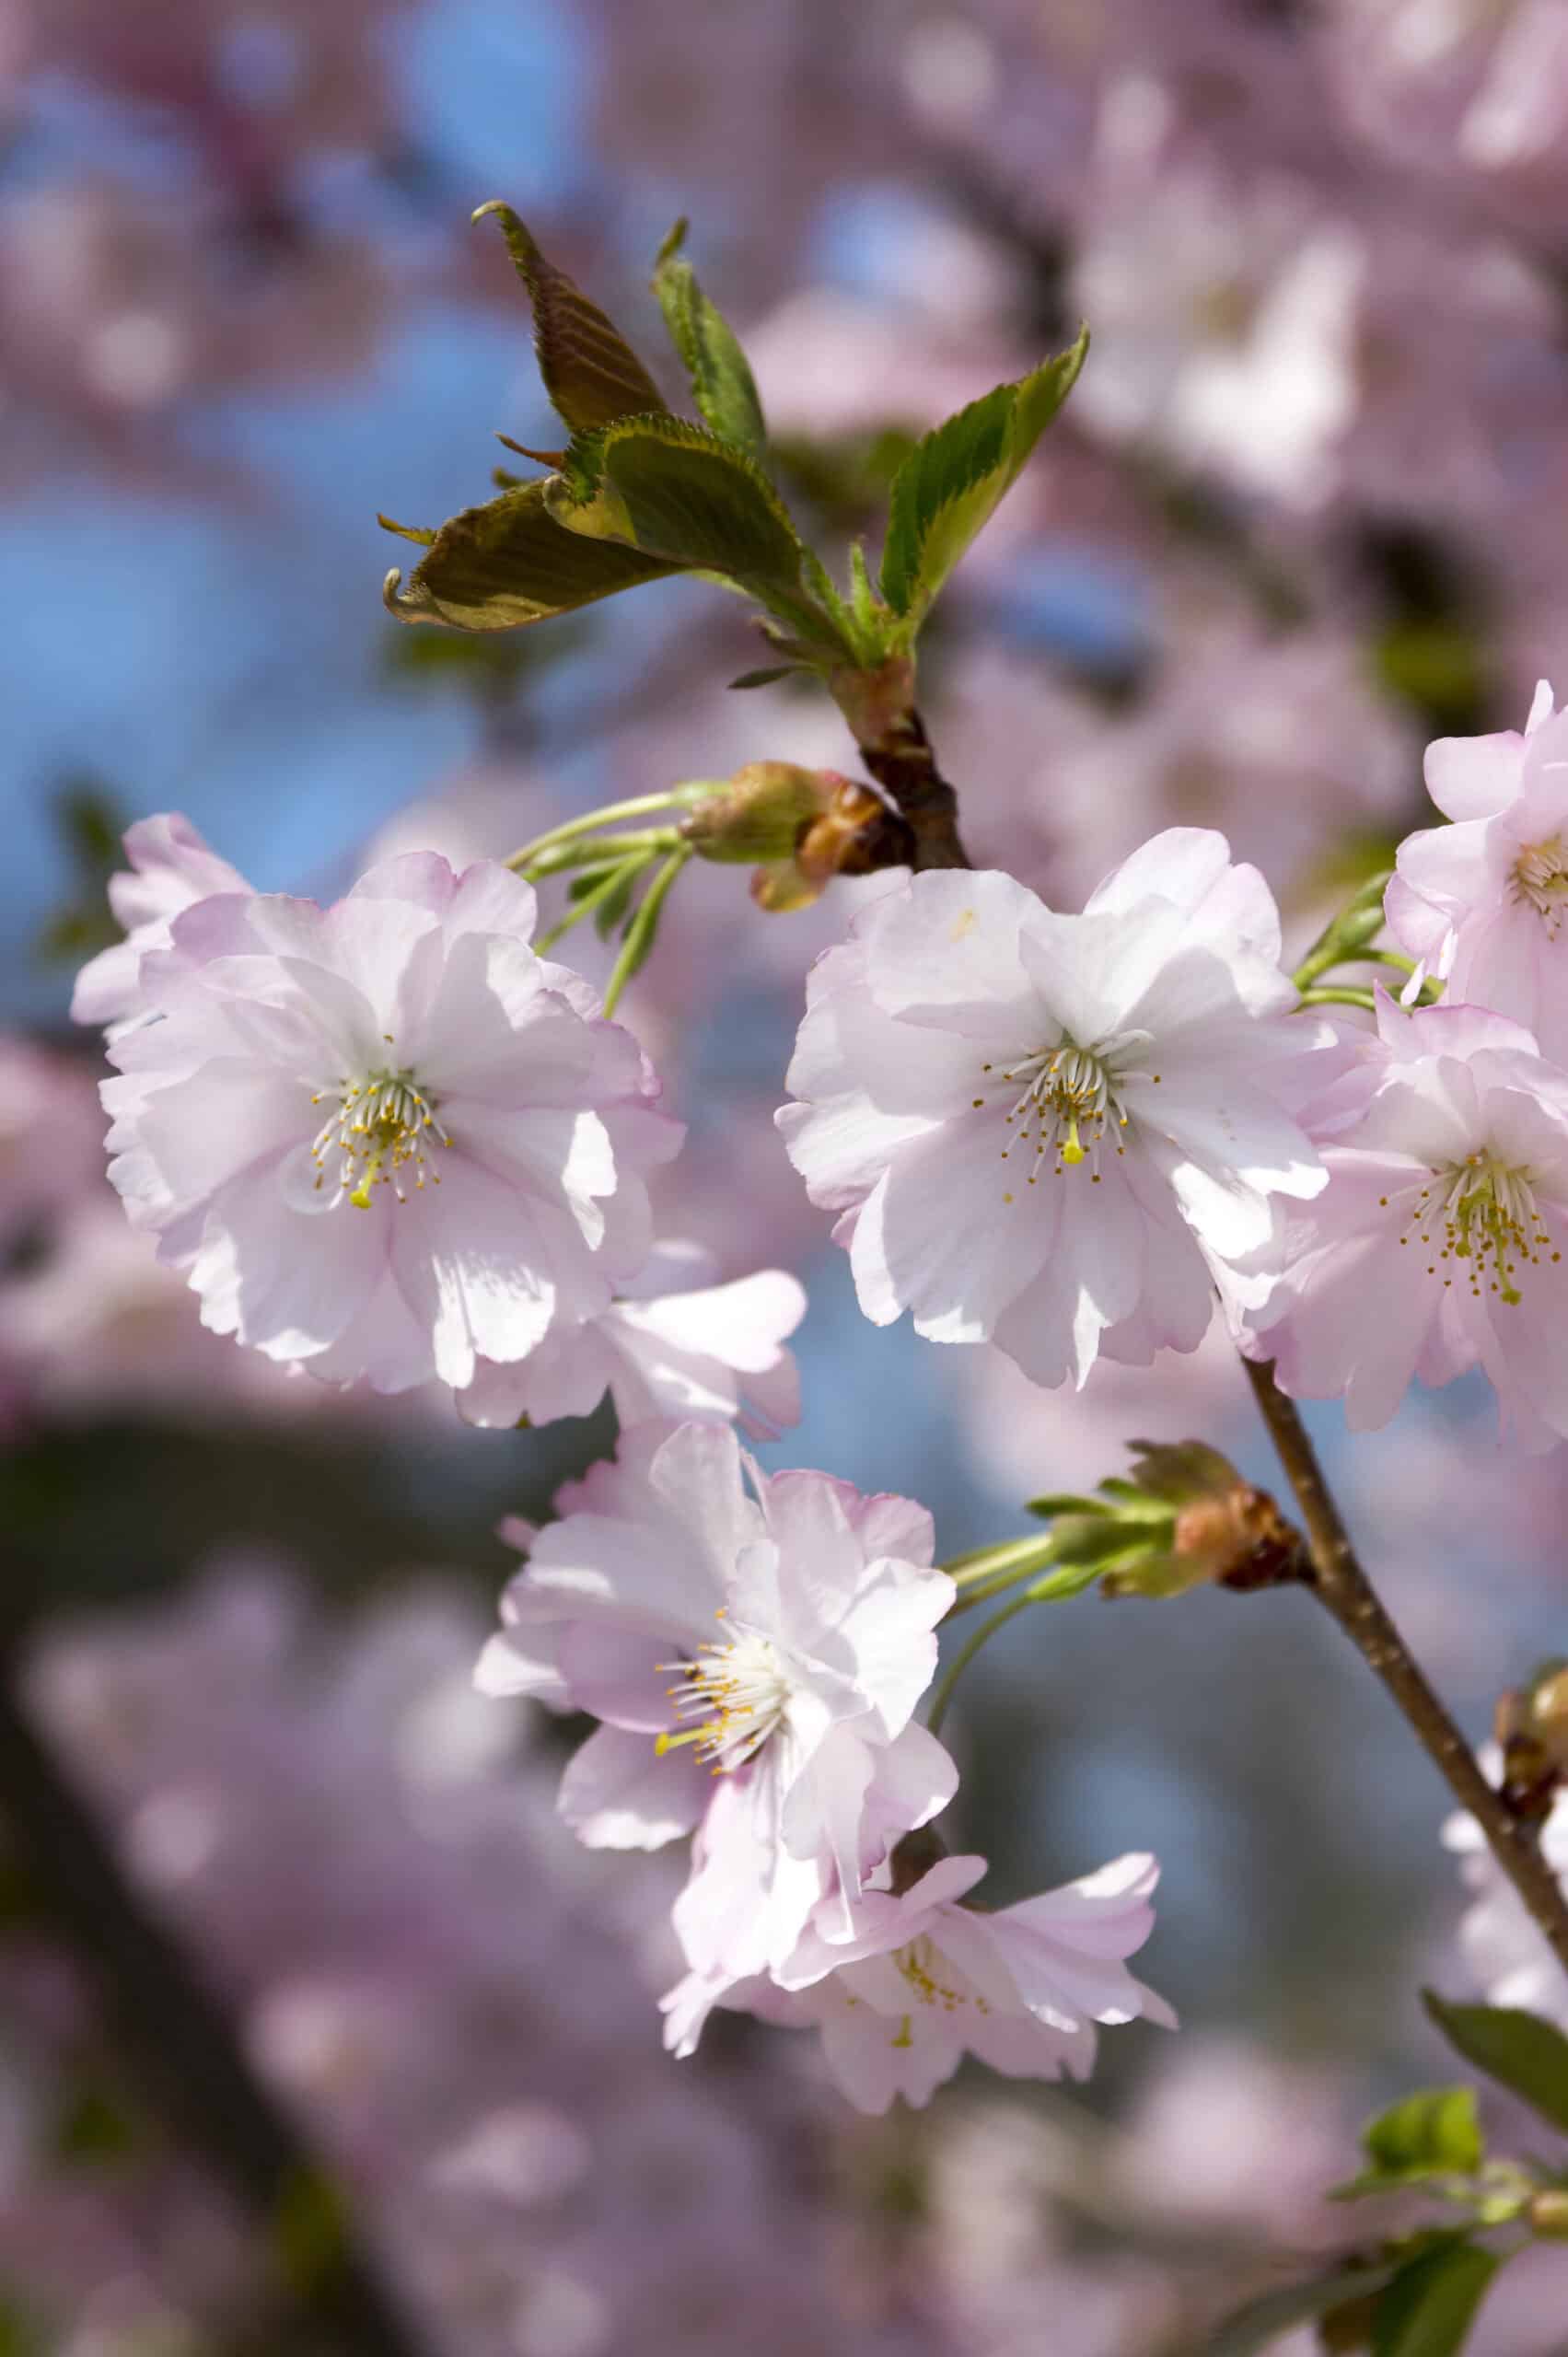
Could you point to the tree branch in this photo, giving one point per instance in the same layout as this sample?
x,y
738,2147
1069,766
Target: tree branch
x,y
187,2054
904,766
880,709
1343,1587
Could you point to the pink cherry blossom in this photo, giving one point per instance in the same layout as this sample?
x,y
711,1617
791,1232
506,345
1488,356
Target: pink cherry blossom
x,y
755,1661
1481,902
672,1343
1047,1130
925,1980
1437,1245
172,867
384,1138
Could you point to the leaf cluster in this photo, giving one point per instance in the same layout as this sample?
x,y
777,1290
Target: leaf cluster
x,y
639,492
1420,2293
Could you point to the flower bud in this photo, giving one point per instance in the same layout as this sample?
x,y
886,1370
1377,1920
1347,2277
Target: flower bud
x,y
1220,1528
760,812
804,826
1548,2216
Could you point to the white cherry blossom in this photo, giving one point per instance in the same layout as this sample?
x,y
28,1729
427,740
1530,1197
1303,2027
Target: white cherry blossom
x,y
172,868
1500,1942
1482,903
926,1980
1055,1132
383,1138
1438,1243
755,1657
672,1343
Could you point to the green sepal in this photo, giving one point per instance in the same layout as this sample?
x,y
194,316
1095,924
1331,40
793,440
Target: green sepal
x,y
1432,2135
954,479
1517,2048
1428,2307
590,372
507,564
767,677
674,491
722,383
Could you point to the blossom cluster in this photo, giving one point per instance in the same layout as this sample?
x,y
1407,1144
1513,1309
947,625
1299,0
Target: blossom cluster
x,y
385,1140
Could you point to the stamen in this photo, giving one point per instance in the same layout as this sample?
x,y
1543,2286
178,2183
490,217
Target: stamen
x,y
1069,1102
384,1123
738,1692
1540,877
1490,1223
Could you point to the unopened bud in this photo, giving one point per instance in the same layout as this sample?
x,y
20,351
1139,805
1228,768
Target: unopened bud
x,y
1221,1529
1531,1726
1549,1712
761,813
1548,2216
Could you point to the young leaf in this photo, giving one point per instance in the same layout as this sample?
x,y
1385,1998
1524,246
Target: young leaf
x,y
1433,2134
506,563
675,490
1263,2321
952,480
1428,2307
767,675
1518,2049
590,372
722,382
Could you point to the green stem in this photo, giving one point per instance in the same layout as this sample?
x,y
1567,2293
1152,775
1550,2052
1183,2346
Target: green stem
x,y
966,1653
980,1562
669,798
638,935
1338,994
583,853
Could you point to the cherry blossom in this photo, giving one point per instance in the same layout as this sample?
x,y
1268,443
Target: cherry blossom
x,y
1481,902
1437,1245
1502,1944
172,866
384,1138
672,1343
926,1980
1047,1130
755,1661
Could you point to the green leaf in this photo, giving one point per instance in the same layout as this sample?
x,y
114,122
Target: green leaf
x,y
674,491
766,677
507,564
1262,2321
722,382
952,480
1428,2307
1434,2133
1517,2048
590,372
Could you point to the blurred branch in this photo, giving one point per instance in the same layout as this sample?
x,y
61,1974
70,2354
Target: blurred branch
x,y
1344,1589
185,2050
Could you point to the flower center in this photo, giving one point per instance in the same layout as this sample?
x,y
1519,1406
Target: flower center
x,y
1540,877
384,1122
1066,1102
1488,1222
736,1693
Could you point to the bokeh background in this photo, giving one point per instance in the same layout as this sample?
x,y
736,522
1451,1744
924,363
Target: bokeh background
x,y
1304,513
